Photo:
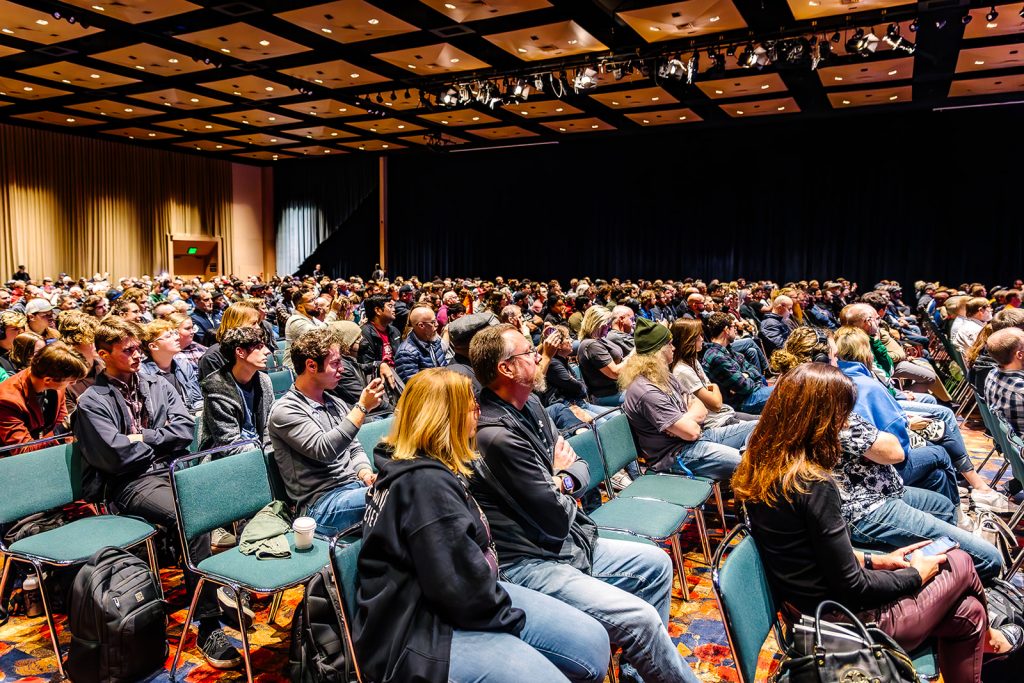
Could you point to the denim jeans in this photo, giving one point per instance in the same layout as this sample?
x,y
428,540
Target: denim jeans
x,y
715,454
545,650
339,508
562,416
751,350
754,403
923,515
628,591
952,440
929,468
613,401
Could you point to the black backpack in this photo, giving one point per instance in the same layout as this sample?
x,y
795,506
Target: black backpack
x,y
118,621
317,653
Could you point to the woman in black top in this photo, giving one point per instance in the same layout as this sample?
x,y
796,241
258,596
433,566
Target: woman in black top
x,y
793,505
431,608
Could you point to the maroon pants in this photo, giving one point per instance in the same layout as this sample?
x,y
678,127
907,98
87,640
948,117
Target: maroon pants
x,y
949,608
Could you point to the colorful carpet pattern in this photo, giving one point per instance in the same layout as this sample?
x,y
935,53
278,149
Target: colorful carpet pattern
x,y
27,657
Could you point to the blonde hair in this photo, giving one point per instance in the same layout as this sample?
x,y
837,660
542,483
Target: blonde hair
x,y
76,327
649,366
593,319
853,344
801,346
431,420
238,314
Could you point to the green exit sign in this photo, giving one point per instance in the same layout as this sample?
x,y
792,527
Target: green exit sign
x,y
192,250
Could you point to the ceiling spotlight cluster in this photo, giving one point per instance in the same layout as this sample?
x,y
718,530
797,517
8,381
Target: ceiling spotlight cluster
x,y
70,18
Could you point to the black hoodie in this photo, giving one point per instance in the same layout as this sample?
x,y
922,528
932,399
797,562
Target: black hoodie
x,y
426,567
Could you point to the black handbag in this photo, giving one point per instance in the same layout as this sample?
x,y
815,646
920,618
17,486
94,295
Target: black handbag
x,y
1005,604
827,652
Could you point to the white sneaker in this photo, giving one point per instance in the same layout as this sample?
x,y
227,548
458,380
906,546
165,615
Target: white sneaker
x,y
621,480
993,501
222,538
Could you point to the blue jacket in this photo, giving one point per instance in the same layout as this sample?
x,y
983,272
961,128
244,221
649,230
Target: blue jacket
x,y
414,355
187,376
875,404
774,332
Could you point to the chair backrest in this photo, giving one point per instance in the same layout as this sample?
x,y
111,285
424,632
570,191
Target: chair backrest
x,y
988,419
585,445
1011,445
745,600
346,559
213,494
196,429
281,344
371,433
281,380
617,443
36,481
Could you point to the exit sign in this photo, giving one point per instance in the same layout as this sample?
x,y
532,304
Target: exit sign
x,y
192,250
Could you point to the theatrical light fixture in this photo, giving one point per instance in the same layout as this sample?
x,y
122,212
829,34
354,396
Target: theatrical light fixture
x,y
586,79
747,58
692,67
450,97
940,24
836,37
913,26
992,15
673,69
968,18
863,44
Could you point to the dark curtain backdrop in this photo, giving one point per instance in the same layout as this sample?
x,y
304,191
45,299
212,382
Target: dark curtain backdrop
x,y
916,196
326,211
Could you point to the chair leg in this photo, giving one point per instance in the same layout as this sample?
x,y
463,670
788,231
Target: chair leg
x,y
3,580
717,488
985,461
185,627
702,532
1015,567
244,632
154,566
275,605
677,555
49,619
999,473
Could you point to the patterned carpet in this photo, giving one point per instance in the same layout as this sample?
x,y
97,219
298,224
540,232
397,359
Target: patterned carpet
x,y
696,627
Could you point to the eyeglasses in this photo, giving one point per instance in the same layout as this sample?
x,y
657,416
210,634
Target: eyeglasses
x,y
531,352
132,350
427,323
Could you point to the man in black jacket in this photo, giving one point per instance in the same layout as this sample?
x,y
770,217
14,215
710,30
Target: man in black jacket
x,y
237,397
380,337
130,427
526,482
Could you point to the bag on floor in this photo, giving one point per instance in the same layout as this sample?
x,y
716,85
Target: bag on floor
x,y
317,653
989,527
117,619
1005,604
848,651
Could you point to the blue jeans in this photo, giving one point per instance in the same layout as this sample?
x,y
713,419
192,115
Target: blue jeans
x,y
929,468
952,440
715,454
754,403
339,508
613,401
751,350
562,416
922,515
545,650
628,591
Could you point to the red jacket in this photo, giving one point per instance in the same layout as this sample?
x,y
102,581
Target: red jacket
x,y
21,418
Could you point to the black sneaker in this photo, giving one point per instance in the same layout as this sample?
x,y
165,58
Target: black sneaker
x,y
226,598
219,652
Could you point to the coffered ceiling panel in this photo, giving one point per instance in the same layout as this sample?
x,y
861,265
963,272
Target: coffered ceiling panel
x,y
629,99
784,105
546,42
258,117
78,75
433,59
37,26
136,11
664,117
244,42
684,19
335,74
348,21
117,110
180,99
473,10
153,59
862,98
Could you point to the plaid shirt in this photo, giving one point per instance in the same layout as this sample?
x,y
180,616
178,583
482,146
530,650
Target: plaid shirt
x,y
1004,393
734,375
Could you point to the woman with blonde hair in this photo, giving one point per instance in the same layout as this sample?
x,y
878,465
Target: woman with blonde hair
x,y
794,505
600,361
431,607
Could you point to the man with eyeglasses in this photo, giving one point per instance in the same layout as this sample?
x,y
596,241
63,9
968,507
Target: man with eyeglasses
x,y
423,347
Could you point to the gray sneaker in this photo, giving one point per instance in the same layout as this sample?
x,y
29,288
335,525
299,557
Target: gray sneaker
x,y
226,598
222,538
219,652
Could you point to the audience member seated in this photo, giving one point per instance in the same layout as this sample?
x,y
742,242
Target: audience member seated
x,y
561,388
239,314
422,348
688,340
777,325
600,361
162,346
78,329
12,324
40,317
309,313
977,313
621,332
191,350
795,509
32,402
238,396
669,421
322,464
461,333
131,427
428,571
525,484
742,384
25,345
380,337
204,319
1004,386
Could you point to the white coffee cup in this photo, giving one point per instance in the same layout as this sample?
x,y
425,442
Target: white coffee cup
x,y
304,528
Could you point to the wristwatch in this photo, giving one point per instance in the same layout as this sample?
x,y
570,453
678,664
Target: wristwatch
x,y
867,561
362,408
568,483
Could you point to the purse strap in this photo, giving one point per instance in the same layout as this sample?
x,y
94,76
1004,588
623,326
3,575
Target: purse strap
x,y
854,621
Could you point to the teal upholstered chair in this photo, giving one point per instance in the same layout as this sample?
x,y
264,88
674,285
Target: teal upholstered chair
x,y
281,380
216,493
619,449
344,567
281,344
371,433
48,479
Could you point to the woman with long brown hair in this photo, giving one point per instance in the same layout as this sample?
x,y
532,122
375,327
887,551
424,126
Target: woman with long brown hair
x,y
793,504
688,340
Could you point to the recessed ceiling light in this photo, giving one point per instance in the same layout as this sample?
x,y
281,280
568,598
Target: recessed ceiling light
x,y
173,60
682,118
334,134
265,43
573,42
521,49
646,121
894,97
740,112
373,130
445,122
525,113
713,19
342,109
411,66
152,135
70,120
140,67
309,137
594,125
454,60
562,129
781,108
194,99
220,146
353,75
6,30
765,86
615,103
99,8
208,126
991,24
813,3
400,127
127,110
225,50
719,92
326,151
846,101
27,88
94,75
42,22
384,146
449,5
837,78
655,28
271,118
559,109
893,72
235,92
373,22
476,118
269,88
326,30
655,99
979,62
273,139
64,80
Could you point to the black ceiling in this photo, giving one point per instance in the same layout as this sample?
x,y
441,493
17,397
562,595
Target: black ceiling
x,y
260,81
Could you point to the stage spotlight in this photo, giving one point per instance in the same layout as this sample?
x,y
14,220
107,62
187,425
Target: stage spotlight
x,y
992,15
836,37
747,58
914,26
586,79
450,97
673,69
968,18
